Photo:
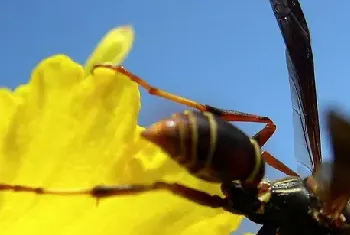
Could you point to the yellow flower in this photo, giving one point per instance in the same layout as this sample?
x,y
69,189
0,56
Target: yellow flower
x,y
68,128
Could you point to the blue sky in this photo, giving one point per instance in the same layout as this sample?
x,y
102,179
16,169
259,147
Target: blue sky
x,y
228,54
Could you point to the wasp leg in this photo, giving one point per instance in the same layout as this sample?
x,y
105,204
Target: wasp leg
x,y
228,115
234,116
101,191
191,194
277,164
153,90
261,137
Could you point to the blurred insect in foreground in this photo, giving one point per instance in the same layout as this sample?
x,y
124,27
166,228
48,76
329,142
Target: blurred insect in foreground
x,y
212,149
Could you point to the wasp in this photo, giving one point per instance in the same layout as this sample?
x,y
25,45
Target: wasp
x,y
211,148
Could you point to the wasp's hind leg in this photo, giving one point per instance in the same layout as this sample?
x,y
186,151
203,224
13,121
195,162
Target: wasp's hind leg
x,y
227,115
277,164
234,116
102,191
261,137
153,90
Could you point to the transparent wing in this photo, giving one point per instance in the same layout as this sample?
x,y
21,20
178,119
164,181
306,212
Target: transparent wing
x,y
296,35
332,178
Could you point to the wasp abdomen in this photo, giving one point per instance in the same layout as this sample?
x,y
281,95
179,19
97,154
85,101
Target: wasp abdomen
x,y
208,147
237,156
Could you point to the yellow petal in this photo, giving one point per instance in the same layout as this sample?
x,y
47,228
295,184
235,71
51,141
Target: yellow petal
x,y
113,48
68,129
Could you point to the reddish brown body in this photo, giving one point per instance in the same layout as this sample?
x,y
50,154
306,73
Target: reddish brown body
x,y
209,147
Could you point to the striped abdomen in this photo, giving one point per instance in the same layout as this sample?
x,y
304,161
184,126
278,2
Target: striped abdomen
x,y
208,147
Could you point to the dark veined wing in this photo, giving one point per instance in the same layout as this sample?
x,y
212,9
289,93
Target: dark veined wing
x,y
295,32
339,131
332,178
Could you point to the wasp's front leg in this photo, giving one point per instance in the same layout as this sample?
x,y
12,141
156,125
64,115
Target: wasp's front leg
x,y
107,191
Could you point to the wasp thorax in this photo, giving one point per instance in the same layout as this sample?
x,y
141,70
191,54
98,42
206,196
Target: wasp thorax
x,y
165,134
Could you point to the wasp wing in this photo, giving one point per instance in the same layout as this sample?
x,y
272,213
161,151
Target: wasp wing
x,y
296,35
339,187
333,181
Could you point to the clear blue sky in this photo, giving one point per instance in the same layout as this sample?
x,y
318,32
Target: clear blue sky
x,y
225,53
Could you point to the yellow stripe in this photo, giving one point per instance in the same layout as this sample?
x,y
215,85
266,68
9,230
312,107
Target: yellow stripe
x,y
287,190
257,164
213,138
294,189
265,197
194,136
182,134
286,180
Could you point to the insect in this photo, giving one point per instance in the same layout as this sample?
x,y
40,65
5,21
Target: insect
x,y
287,206
317,204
